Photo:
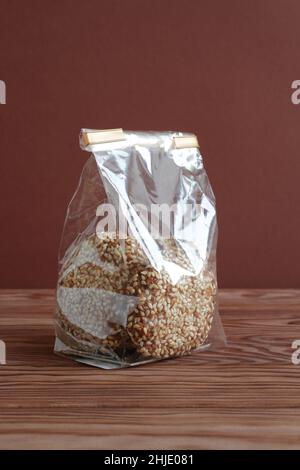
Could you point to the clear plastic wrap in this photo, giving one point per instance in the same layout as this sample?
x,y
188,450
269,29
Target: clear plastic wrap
x,y
137,265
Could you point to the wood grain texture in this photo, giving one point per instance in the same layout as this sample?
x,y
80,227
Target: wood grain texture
x,y
244,396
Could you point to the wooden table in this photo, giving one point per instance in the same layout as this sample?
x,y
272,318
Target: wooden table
x,y
244,396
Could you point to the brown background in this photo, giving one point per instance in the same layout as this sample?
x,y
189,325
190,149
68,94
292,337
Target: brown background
x,y
222,69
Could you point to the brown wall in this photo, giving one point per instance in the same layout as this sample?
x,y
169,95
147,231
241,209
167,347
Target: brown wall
x,y
222,69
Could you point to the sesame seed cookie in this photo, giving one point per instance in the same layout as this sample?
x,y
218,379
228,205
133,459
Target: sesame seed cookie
x,y
170,320
110,295
90,292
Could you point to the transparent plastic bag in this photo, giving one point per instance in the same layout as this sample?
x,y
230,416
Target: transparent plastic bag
x,y
137,265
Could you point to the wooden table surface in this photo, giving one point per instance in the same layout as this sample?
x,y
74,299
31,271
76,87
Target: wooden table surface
x,y
244,396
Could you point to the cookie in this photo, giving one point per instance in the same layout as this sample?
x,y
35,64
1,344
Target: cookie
x,y
170,320
110,295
